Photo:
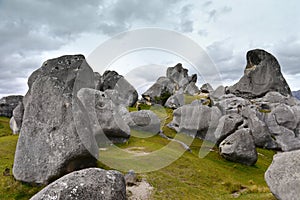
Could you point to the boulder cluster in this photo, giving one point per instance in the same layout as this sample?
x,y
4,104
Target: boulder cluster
x,y
69,112
8,104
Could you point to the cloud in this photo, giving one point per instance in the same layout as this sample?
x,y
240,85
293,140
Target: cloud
x,y
287,53
30,28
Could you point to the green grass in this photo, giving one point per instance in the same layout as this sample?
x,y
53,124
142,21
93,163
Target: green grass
x,y
9,187
4,127
191,177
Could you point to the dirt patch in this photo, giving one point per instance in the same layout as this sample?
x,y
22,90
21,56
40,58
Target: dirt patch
x,y
141,191
137,151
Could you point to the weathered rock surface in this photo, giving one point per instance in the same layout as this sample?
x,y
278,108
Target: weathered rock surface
x,y
160,91
239,147
144,120
206,88
8,104
262,75
220,91
194,119
92,183
55,137
227,125
111,80
260,132
283,175
175,101
231,104
104,116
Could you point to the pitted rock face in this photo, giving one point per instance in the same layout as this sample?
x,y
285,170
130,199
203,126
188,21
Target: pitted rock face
x,y
50,143
92,183
262,75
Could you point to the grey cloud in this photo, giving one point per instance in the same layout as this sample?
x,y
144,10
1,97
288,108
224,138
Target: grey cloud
x,y
30,27
287,52
187,25
203,32
230,63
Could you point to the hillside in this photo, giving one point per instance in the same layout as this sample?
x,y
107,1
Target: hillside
x,y
209,178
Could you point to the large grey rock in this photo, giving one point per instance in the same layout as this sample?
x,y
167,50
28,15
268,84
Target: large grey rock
x,y
145,121
220,91
274,98
239,147
17,119
111,80
206,88
178,75
230,103
191,89
160,91
227,125
283,175
104,116
92,183
175,101
8,104
55,137
282,123
194,119
260,132
262,75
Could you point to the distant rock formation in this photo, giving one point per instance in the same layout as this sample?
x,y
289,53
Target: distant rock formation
x,y
262,75
92,183
176,79
50,144
8,104
296,94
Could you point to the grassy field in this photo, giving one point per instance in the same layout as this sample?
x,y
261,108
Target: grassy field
x,y
188,177
4,127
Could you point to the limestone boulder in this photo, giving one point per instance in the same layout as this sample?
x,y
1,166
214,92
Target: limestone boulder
x,y
283,175
194,119
105,119
92,183
175,101
55,137
239,147
262,75
111,80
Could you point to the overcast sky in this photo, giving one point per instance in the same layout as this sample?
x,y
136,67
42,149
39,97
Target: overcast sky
x,y
32,31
